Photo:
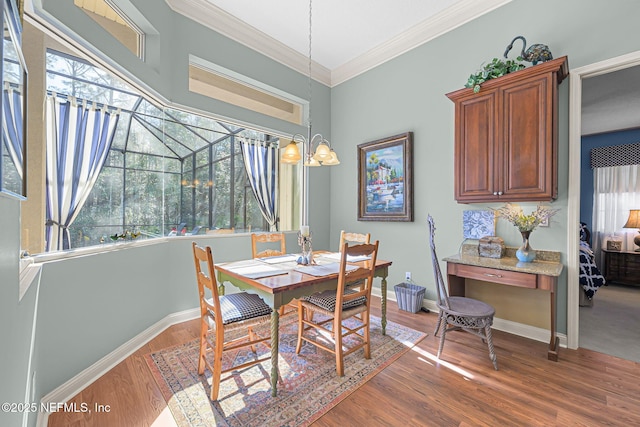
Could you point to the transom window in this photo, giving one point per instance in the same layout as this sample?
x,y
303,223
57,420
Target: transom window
x,y
115,22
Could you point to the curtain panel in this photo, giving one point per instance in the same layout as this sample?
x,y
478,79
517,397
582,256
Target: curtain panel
x,y
12,125
616,191
78,138
261,164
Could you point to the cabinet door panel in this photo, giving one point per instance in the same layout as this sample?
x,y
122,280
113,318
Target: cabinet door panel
x,y
475,149
527,140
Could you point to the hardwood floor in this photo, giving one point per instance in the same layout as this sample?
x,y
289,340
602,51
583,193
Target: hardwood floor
x,y
584,388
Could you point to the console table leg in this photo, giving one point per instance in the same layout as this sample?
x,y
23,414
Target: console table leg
x,y
554,340
383,305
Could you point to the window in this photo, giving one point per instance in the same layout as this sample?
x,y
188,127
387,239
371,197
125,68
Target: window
x,y
114,21
164,167
217,82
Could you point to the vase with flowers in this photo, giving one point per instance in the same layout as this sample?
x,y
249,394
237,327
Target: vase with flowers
x,y
526,224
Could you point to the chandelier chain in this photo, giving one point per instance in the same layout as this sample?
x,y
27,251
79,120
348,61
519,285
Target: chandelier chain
x,y
309,88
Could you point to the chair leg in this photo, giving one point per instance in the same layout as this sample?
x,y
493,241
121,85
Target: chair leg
x,y
367,347
438,324
300,327
217,370
492,352
337,338
203,350
252,337
442,336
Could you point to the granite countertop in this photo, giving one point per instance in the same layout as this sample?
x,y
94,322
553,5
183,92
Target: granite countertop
x,y
546,263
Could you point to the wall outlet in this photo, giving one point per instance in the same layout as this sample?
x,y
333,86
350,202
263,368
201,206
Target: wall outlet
x,y
407,275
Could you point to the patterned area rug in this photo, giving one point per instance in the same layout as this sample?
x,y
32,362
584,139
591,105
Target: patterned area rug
x,y
309,385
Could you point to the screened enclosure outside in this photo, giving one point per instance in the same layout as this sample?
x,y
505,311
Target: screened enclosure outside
x,y
166,172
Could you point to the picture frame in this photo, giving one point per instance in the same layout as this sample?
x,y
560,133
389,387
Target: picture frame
x,y
385,179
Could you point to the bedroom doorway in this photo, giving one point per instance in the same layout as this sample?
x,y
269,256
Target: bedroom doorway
x,y
575,133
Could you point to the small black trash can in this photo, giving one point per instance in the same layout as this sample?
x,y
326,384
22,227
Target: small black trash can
x,y
409,296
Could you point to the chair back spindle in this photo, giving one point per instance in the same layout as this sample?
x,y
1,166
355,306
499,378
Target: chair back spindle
x,y
441,290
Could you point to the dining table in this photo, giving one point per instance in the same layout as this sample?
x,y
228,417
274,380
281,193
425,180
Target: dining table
x,y
280,279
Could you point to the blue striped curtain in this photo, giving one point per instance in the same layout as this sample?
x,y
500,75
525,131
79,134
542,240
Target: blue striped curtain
x,y
78,137
261,164
12,125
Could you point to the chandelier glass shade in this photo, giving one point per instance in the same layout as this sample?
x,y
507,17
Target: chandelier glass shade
x,y
322,156
291,154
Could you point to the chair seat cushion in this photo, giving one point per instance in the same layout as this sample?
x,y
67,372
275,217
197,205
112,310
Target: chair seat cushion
x,y
242,306
327,300
470,307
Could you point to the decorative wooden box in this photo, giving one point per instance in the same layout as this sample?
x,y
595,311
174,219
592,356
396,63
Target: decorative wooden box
x,y
491,247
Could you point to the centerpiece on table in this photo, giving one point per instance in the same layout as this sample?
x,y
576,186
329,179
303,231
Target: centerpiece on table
x,y
304,240
526,224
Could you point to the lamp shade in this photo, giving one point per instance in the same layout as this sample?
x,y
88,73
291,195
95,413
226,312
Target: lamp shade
x,y
291,154
323,152
311,162
333,160
634,219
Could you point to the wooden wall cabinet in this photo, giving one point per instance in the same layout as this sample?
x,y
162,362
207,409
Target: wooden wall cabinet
x,y
506,136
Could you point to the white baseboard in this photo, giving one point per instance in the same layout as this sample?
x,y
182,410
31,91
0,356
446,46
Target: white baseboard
x,y
79,382
515,328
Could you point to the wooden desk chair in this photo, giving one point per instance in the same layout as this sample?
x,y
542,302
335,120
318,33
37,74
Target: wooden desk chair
x,y
353,238
221,314
259,240
460,313
339,305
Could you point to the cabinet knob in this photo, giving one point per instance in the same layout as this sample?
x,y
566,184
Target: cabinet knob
x,y
499,193
495,193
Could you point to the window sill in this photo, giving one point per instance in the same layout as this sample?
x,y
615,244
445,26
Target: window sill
x,y
106,247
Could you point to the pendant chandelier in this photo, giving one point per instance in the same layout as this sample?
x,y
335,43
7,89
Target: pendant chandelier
x,y
324,154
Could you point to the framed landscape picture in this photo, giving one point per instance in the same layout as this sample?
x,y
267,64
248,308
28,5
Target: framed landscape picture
x,y
385,187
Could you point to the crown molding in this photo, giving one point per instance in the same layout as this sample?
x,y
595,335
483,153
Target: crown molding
x,y
228,25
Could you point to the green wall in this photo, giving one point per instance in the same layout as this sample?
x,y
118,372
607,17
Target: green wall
x,y
16,317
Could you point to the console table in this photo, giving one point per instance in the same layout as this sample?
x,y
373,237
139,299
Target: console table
x,y
622,267
541,274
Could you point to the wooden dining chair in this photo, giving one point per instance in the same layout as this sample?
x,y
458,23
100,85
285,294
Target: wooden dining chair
x,y
459,313
262,245
221,314
258,250
221,231
340,305
353,238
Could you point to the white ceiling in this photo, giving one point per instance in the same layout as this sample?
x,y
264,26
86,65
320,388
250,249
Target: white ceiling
x,y
348,36
341,29
611,101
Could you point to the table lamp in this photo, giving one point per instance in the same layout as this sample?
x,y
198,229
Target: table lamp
x,y
634,222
